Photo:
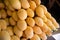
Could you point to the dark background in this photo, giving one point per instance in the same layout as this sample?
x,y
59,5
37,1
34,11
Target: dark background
x,y
53,7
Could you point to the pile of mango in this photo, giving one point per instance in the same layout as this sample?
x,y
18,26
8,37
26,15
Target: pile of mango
x,y
25,20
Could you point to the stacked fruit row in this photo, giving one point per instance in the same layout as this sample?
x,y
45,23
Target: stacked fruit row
x,y
25,20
